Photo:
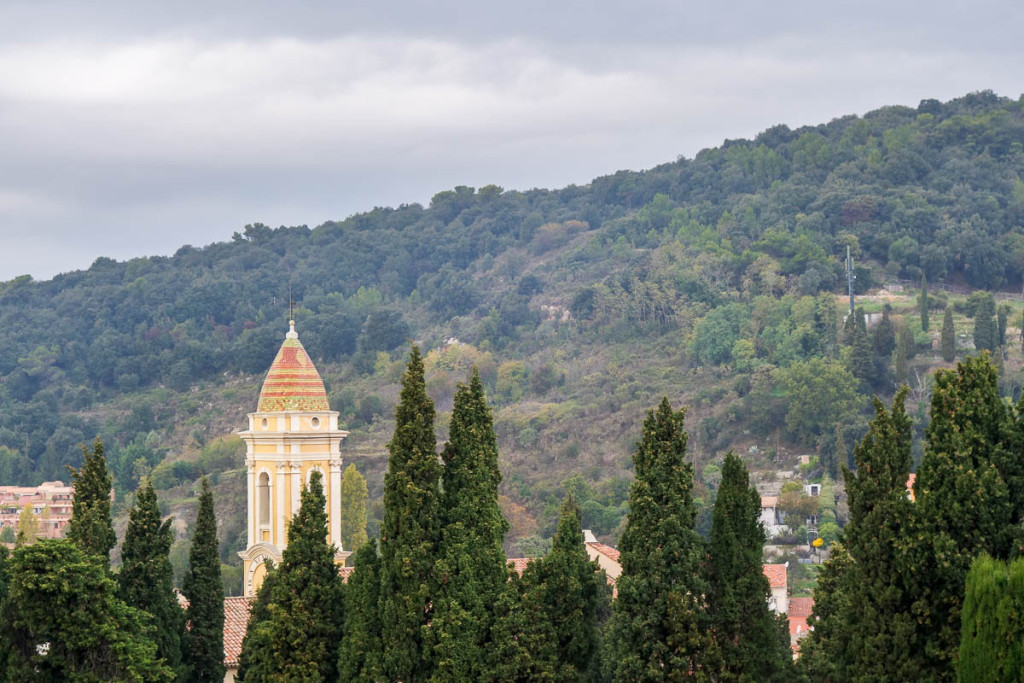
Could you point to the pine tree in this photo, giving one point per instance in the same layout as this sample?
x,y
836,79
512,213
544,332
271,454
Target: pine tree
x,y
750,642
353,509
300,636
924,303
146,579
63,621
885,335
985,330
992,636
470,570
574,593
523,644
251,662
204,641
878,621
410,531
659,622
963,504
948,339
90,526
361,654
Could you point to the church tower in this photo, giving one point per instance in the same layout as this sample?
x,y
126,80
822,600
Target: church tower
x,y
292,433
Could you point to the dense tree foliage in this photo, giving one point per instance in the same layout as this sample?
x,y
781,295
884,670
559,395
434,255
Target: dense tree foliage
x,y
659,621
145,581
992,636
63,621
410,533
752,644
204,641
91,527
470,568
360,658
252,662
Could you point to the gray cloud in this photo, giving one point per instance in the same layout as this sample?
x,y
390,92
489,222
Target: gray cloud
x,y
132,129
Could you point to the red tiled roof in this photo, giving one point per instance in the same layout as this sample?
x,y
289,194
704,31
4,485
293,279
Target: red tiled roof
x,y
236,620
345,572
910,485
800,607
776,574
519,563
606,550
769,501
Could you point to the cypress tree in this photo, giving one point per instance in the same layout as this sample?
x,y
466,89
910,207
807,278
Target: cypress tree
x,y
878,620
985,330
963,504
849,329
948,338
992,635
306,612
523,647
146,579
924,303
353,509
361,654
842,458
252,663
1001,325
410,531
821,648
862,364
574,593
885,335
752,643
470,570
901,363
204,640
90,526
659,620
63,621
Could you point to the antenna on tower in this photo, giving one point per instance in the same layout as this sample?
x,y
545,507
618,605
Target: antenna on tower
x,y
850,277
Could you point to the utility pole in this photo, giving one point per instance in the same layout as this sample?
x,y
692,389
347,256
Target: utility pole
x,y
850,277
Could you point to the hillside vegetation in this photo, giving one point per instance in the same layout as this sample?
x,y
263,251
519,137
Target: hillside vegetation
x,y
716,281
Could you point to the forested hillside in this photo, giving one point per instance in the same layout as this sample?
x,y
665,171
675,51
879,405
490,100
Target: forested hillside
x,y
713,280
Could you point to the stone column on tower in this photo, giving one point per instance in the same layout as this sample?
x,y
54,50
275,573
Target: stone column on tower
x,y
251,507
335,503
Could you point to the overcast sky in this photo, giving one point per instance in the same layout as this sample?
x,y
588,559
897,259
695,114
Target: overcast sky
x,y
135,127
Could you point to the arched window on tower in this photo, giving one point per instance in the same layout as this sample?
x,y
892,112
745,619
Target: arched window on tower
x,y
263,499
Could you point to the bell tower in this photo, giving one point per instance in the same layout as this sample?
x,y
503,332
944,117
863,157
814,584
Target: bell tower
x,y
292,433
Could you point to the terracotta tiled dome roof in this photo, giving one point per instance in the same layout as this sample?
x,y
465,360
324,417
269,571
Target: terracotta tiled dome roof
x,y
292,382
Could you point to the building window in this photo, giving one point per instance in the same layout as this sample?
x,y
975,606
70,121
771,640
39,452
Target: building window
x,y
315,422
264,423
263,498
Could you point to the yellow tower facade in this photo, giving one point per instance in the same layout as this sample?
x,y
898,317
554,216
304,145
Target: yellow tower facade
x,y
292,434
